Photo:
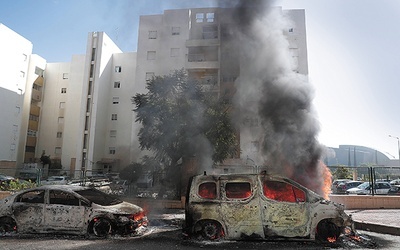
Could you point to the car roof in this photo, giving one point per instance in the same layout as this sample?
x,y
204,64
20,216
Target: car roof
x,y
61,187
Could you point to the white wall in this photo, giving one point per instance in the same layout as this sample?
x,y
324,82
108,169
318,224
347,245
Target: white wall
x,y
15,51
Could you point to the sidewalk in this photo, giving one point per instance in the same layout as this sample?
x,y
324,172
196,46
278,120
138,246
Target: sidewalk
x,y
386,221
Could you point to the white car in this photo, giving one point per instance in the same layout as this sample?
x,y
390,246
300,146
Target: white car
x,y
365,188
55,180
70,210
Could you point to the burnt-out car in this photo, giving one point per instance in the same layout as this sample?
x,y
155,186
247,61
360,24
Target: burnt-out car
x,y
259,206
71,210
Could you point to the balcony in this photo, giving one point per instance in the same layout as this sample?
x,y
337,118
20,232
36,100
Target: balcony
x,y
36,95
202,42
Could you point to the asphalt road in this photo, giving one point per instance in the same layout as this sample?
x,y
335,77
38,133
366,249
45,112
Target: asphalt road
x,y
166,238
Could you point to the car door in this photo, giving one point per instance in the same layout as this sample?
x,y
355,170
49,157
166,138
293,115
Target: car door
x,y
28,210
285,211
382,188
240,208
64,212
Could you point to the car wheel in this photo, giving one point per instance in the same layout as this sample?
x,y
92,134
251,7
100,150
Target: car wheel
x,y
102,227
7,226
211,230
327,231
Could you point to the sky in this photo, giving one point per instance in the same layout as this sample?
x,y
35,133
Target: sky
x,y
353,53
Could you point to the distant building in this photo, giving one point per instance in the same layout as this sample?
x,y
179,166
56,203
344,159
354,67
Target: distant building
x,y
356,156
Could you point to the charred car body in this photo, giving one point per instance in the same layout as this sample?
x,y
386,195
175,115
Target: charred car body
x,y
69,209
261,206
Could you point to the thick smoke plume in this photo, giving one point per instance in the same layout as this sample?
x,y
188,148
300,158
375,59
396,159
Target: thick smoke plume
x,y
280,100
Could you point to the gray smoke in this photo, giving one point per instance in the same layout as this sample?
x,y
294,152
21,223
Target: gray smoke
x,y
276,98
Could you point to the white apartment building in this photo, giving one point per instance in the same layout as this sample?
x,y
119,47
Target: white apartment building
x,y
87,116
20,93
199,40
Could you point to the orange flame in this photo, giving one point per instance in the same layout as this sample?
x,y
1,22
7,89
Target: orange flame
x,y
327,175
331,239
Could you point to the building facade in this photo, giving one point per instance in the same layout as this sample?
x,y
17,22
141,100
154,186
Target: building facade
x,y
21,96
87,119
203,42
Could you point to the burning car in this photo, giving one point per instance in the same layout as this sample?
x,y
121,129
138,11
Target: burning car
x,y
69,209
260,206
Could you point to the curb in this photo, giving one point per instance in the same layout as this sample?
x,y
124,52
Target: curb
x,y
383,229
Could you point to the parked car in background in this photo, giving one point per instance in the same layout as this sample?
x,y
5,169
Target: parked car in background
x,y
394,190
395,182
365,188
344,186
71,210
55,180
119,187
335,184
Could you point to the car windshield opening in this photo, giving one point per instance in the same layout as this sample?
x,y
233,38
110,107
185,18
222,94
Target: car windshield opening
x,y
99,197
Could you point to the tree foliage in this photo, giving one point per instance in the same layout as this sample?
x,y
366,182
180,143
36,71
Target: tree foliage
x,y
180,120
343,173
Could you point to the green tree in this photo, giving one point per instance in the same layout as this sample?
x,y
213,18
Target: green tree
x,y
180,120
343,173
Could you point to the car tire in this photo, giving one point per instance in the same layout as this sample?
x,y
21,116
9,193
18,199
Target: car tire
x,y
102,227
211,230
327,231
7,226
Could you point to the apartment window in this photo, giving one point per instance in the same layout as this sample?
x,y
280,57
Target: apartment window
x,y
32,133
118,69
22,74
65,75
153,34
90,87
59,134
111,150
210,32
62,105
117,85
115,100
33,118
88,102
24,57
12,147
63,90
113,133
91,70
60,120
291,30
93,53
199,17
149,76
39,71
210,17
57,150
174,52
176,31
17,110
151,55
113,117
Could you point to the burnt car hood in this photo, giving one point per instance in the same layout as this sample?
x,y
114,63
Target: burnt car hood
x,y
121,208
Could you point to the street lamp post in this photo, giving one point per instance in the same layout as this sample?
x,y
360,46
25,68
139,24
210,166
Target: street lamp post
x,y
398,144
